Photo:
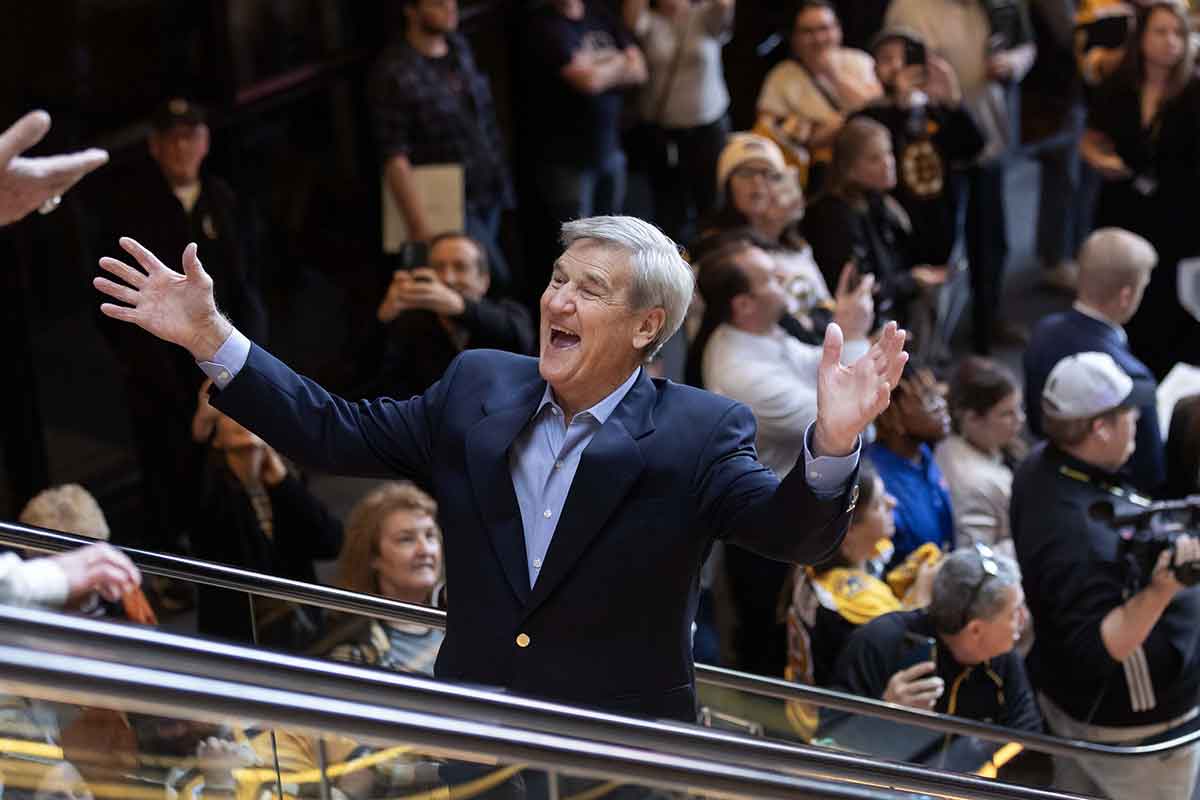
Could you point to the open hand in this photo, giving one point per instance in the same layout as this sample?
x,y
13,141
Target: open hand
x,y
26,183
849,398
176,308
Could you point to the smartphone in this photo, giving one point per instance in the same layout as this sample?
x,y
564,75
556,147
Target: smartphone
x,y
914,53
411,255
916,649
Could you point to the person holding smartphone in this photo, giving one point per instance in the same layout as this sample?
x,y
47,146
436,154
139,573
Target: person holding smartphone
x,y
933,136
433,311
956,655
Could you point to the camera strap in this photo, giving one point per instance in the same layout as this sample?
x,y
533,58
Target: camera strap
x,y
1105,486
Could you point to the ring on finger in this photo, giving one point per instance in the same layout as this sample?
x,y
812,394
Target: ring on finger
x,y
50,204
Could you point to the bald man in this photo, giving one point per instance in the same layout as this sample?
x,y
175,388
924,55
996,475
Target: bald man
x,y
1114,270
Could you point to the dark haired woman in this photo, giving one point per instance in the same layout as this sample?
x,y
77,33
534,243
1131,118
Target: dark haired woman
x,y
1143,137
977,459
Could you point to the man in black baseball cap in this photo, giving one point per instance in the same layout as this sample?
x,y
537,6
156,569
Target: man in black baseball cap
x,y
171,202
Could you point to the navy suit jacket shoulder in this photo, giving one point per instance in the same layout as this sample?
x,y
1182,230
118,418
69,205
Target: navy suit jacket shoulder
x,y
1068,332
609,620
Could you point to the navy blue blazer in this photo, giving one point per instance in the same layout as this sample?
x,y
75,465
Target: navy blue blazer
x,y
1068,332
608,622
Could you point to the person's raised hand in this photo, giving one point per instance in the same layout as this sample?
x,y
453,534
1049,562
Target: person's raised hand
x,y
177,308
425,290
26,183
942,81
910,687
391,306
854,303
98,567
850,397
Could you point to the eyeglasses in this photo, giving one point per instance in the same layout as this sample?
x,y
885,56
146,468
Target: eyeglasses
x,y
766,173
987,560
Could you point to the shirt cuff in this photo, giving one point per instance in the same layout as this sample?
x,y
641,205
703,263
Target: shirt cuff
x,y
828,476
44,582
228,361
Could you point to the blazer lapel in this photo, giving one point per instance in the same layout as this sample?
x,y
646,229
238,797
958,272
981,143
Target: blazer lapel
x,y
487,445
608,469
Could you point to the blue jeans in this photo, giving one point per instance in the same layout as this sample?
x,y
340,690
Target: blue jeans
x,y
571,191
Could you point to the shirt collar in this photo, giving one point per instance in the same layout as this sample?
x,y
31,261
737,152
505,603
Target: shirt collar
x,y
602,410
1088,311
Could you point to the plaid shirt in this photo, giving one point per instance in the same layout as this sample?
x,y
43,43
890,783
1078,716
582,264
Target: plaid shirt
x,y
417,113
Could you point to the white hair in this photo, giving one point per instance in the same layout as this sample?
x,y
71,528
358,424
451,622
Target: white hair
x,y
661,278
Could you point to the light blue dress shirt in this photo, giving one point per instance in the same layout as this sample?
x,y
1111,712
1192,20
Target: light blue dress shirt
x,y
545,455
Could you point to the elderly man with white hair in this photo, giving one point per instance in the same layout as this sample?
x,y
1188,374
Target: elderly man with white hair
x,y
578,497
1114,270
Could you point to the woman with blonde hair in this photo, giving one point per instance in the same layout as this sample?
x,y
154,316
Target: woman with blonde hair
x,y
856,221
393,548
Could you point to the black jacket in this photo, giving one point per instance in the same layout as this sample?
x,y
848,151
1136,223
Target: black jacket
x,y
228,532
877,238
148,211
1073,576
996,691
417,349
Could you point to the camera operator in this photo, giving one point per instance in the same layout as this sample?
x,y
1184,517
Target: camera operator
x,y
432,313
1116,657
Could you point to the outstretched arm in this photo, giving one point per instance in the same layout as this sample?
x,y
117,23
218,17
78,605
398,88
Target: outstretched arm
x,y
294,415
27,183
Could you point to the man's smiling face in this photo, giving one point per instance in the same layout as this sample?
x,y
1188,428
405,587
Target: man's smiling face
x,y
591,339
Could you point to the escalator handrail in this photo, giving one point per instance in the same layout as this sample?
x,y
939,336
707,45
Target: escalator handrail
x,y
93,683
53,634
334,599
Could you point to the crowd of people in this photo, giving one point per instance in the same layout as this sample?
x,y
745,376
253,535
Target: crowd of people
x,y
974,575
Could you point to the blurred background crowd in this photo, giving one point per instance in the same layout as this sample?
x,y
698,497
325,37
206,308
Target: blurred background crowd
x,y
376,187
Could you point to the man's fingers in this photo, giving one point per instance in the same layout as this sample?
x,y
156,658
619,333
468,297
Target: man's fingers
x,y
148,260
134,277
118,291
22,135
831,351
917,670
64,171
123,313
191,261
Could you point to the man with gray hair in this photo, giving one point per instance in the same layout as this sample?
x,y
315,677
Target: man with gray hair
x,y
963,640
578,497
1116,654
1114,270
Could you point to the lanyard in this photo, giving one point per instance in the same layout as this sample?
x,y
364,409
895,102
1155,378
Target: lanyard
x,y
1104,486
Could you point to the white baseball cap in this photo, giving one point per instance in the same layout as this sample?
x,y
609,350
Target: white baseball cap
x,y
1089,384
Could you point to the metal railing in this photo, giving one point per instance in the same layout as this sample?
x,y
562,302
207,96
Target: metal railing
x,y
94,683
177,567
57,636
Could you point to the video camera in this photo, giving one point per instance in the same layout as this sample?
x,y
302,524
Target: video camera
x,y
1145,531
